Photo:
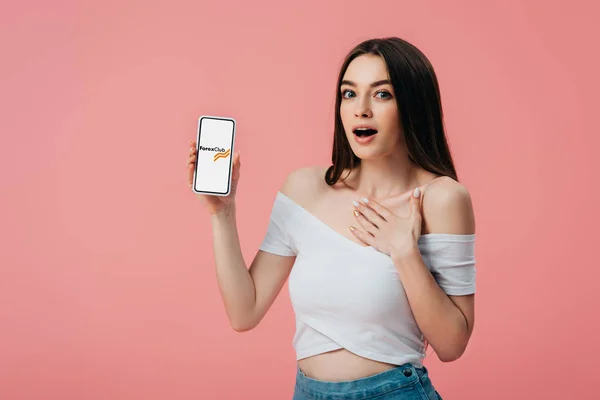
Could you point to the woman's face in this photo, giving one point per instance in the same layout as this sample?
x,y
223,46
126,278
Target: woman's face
x,y
368,109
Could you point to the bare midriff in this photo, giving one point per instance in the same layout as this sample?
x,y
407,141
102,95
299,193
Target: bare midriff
x,y
340,365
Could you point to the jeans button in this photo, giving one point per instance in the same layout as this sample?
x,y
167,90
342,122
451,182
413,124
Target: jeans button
x,y
407,372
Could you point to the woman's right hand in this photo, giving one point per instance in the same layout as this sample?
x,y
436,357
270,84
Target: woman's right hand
x,y
215,204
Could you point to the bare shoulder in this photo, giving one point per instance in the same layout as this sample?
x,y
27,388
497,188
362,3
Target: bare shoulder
x,y
304,184
447,208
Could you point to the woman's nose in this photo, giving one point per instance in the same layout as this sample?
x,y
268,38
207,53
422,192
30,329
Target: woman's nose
x,y
363,111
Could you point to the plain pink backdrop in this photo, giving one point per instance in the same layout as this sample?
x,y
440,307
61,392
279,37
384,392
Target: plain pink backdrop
x,y
107,285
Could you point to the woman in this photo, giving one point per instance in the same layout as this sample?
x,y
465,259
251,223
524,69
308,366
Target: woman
x,y
378,248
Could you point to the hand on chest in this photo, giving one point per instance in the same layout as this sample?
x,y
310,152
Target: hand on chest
x,y
338,213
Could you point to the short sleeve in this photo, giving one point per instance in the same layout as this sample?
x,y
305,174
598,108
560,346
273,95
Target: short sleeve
x,y
277,239
451,260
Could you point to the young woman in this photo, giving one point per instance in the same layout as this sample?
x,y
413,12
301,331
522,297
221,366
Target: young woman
x,y
378,247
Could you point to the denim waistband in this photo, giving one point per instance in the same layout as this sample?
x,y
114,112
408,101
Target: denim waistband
x,y
405,375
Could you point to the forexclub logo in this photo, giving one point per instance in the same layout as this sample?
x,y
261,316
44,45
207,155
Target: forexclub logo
x,y
221,153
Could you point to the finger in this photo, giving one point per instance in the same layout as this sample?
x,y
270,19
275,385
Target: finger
x,y
190,167
385,213
236,165
190,174
365,223
415,203
362,236
369,213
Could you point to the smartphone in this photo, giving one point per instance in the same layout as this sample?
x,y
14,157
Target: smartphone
x,y
214,155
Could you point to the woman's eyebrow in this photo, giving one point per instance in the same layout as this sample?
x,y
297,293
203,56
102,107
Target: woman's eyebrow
x,y
374,84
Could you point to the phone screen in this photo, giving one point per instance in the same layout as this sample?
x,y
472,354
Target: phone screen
x,y
214,155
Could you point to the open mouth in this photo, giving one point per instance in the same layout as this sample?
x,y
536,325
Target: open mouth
x,y
364,132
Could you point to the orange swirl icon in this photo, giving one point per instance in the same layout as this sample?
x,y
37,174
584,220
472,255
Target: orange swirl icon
x,y
223,154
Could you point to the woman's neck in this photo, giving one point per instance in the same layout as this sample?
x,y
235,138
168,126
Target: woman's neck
x,y
384,177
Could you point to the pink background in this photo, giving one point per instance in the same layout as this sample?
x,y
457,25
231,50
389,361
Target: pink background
x,y
107,285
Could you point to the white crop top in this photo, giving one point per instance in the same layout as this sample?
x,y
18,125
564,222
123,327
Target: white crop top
x,y
346,295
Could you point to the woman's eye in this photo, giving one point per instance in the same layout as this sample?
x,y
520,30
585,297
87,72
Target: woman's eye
x,y
386,95
347,93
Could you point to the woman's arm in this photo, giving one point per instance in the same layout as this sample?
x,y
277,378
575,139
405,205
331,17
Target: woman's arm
x,y
247,293
446,321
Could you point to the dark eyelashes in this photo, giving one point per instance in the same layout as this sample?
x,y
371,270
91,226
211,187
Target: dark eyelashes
x,y
387,94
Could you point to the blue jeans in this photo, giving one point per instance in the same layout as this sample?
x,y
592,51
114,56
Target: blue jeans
x,y
404,382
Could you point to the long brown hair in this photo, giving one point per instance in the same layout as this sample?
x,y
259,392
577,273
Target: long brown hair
x,y
418,99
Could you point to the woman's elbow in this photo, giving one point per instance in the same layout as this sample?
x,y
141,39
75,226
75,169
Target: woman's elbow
x,y
452,353
450,356
244,325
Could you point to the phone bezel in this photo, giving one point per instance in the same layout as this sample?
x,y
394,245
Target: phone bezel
x,y
198,134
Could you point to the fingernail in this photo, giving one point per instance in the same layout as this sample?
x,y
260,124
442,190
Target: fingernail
x,y
352,228
356,213
365,200
355,203
417,192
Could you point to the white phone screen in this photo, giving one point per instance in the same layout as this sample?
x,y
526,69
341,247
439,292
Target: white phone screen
x,y
214,155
